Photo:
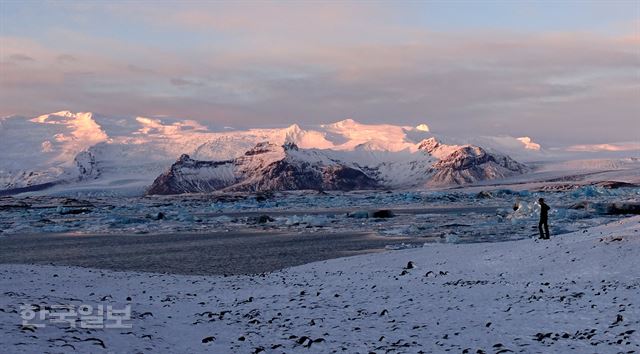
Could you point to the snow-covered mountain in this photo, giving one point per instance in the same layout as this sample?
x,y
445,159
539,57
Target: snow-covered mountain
x,y
269,166
90,152
67,147
265,167
468,164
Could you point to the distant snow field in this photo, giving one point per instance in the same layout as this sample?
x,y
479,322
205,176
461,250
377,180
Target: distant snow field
x,y
577,293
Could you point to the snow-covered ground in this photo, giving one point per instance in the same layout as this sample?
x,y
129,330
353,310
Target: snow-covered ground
x,y
575,293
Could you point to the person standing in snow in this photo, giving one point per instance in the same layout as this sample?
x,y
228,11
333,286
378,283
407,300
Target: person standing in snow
x,y
544,218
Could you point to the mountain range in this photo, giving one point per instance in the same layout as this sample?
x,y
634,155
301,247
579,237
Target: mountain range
x,y
92,153
268,167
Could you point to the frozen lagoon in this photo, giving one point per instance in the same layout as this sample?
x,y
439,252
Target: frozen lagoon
x,y
465,215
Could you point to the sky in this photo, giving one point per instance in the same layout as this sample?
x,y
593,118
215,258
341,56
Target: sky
x,y
561,72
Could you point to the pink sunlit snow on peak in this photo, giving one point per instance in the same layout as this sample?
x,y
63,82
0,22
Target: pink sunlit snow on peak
x,y
529,144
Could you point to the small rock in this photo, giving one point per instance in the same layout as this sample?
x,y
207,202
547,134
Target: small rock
x,y
208,339
623,208
70,211
383,213
580,205
263,219
156,216
619,319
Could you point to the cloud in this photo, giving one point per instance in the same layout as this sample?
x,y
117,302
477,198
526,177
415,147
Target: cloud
x,y
177,81
269,18
66,59
247,65
625,146
528,143
20,57
138,69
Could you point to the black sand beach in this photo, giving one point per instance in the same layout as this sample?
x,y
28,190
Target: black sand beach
x,y
229,253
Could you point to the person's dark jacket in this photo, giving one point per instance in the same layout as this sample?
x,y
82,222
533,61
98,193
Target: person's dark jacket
x,y
544,211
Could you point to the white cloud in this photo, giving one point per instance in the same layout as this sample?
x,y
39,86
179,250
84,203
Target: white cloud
x,y
624,146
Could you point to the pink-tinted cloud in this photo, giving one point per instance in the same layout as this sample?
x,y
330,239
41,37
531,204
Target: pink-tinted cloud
x,y
626,146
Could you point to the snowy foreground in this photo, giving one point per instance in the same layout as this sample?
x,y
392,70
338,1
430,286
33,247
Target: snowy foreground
x,y
578,292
